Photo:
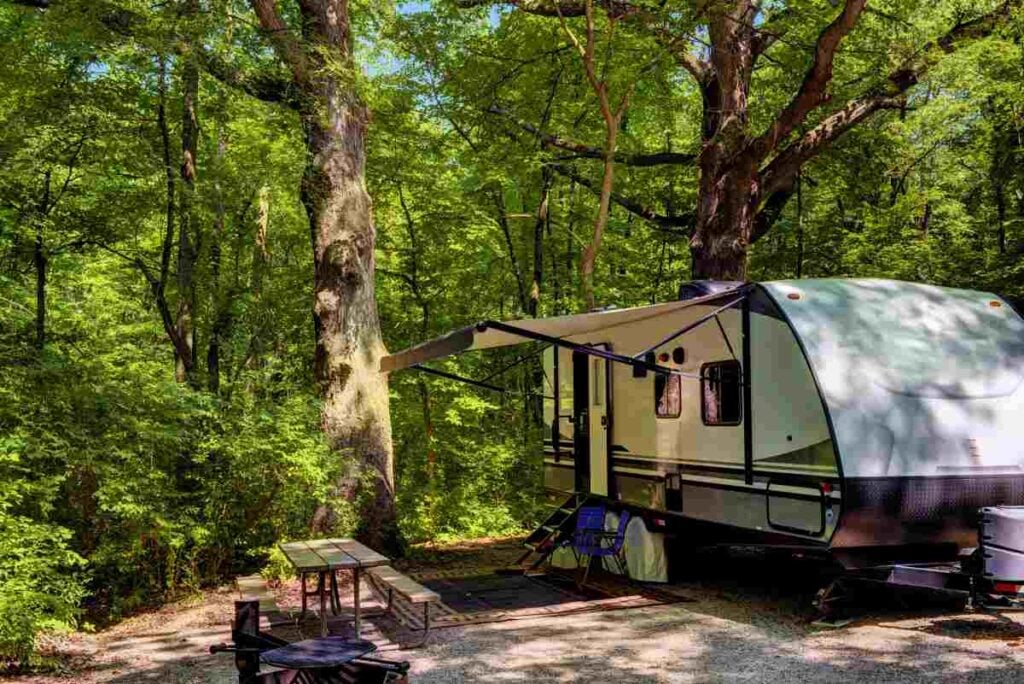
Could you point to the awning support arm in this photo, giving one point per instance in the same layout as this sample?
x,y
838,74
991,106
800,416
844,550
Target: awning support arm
x,y
575,346
470,381
696,324
725,337
522,359
459,378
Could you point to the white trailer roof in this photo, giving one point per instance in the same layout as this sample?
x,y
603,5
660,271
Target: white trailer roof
x,y
480,336
918,380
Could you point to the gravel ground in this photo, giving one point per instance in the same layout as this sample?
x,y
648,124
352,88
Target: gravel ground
x,y
683,643
745,621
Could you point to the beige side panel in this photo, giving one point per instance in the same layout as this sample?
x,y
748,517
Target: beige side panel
x,y
635,426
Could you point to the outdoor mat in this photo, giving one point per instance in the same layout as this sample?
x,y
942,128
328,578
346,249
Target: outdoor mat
x,y
500,597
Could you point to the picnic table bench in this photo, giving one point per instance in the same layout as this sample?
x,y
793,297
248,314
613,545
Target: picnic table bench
x,y
412,591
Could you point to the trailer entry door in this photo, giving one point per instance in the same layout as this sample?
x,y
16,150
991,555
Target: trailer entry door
x,y
600,423
591,381
581,419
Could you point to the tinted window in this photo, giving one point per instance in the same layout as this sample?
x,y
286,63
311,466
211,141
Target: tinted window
x,y
667,396
720,391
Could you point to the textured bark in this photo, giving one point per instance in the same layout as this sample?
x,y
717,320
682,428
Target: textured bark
x,y
349,344
543,220
612,120
746,176
219,302
355,418
41,263
185,365
506,231
348,340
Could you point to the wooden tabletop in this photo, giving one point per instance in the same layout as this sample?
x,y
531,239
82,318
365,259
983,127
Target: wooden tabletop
x,y
318,555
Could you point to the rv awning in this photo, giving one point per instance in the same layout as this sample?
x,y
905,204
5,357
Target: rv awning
x,y
484,336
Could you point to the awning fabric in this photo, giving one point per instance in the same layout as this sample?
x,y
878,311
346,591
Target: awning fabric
x,y
480,336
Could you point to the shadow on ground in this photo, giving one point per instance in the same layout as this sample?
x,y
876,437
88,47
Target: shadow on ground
x,y
748,618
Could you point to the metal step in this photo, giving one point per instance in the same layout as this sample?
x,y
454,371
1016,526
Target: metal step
x,y
543,540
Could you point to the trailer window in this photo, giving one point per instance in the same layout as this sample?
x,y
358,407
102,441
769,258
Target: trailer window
x,y
721,398
667,396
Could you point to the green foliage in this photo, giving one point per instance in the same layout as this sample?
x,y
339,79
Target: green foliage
x,y
277,567
120,487
41,584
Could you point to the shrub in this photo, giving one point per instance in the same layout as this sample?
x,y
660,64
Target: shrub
x,y
41,583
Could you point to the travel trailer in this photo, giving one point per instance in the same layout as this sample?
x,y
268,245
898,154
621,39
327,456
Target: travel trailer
x,y
865,419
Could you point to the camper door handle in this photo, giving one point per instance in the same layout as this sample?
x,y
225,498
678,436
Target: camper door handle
x,y
604,421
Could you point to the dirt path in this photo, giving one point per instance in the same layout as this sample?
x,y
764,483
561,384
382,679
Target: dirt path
x,y
168,645
747,626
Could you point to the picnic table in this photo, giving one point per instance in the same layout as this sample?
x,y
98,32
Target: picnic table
x,y
324,557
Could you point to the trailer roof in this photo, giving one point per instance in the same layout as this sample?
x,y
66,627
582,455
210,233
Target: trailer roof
x,y
917,378
481,336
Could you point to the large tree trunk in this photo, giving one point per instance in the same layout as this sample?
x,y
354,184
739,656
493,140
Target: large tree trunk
x,y
726,211
728,192
349,345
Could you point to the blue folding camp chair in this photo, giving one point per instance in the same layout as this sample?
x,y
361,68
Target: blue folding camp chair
x,y
591,540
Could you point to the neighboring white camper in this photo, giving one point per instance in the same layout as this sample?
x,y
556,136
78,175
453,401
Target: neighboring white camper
x,y
866,418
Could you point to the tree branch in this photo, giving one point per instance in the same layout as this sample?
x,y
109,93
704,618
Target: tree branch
x,y
280,36
779,172
588,152
675,44
770,212
260,84
813,90
910,73
658,221
180,347
615,9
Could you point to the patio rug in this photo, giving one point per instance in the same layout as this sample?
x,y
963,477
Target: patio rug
x,y
498,597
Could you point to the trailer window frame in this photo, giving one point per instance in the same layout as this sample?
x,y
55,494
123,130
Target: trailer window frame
x,y
670,382
737,387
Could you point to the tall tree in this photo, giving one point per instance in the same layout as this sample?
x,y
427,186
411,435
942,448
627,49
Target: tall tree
x,y
747,173
188,226
612,116
322,87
